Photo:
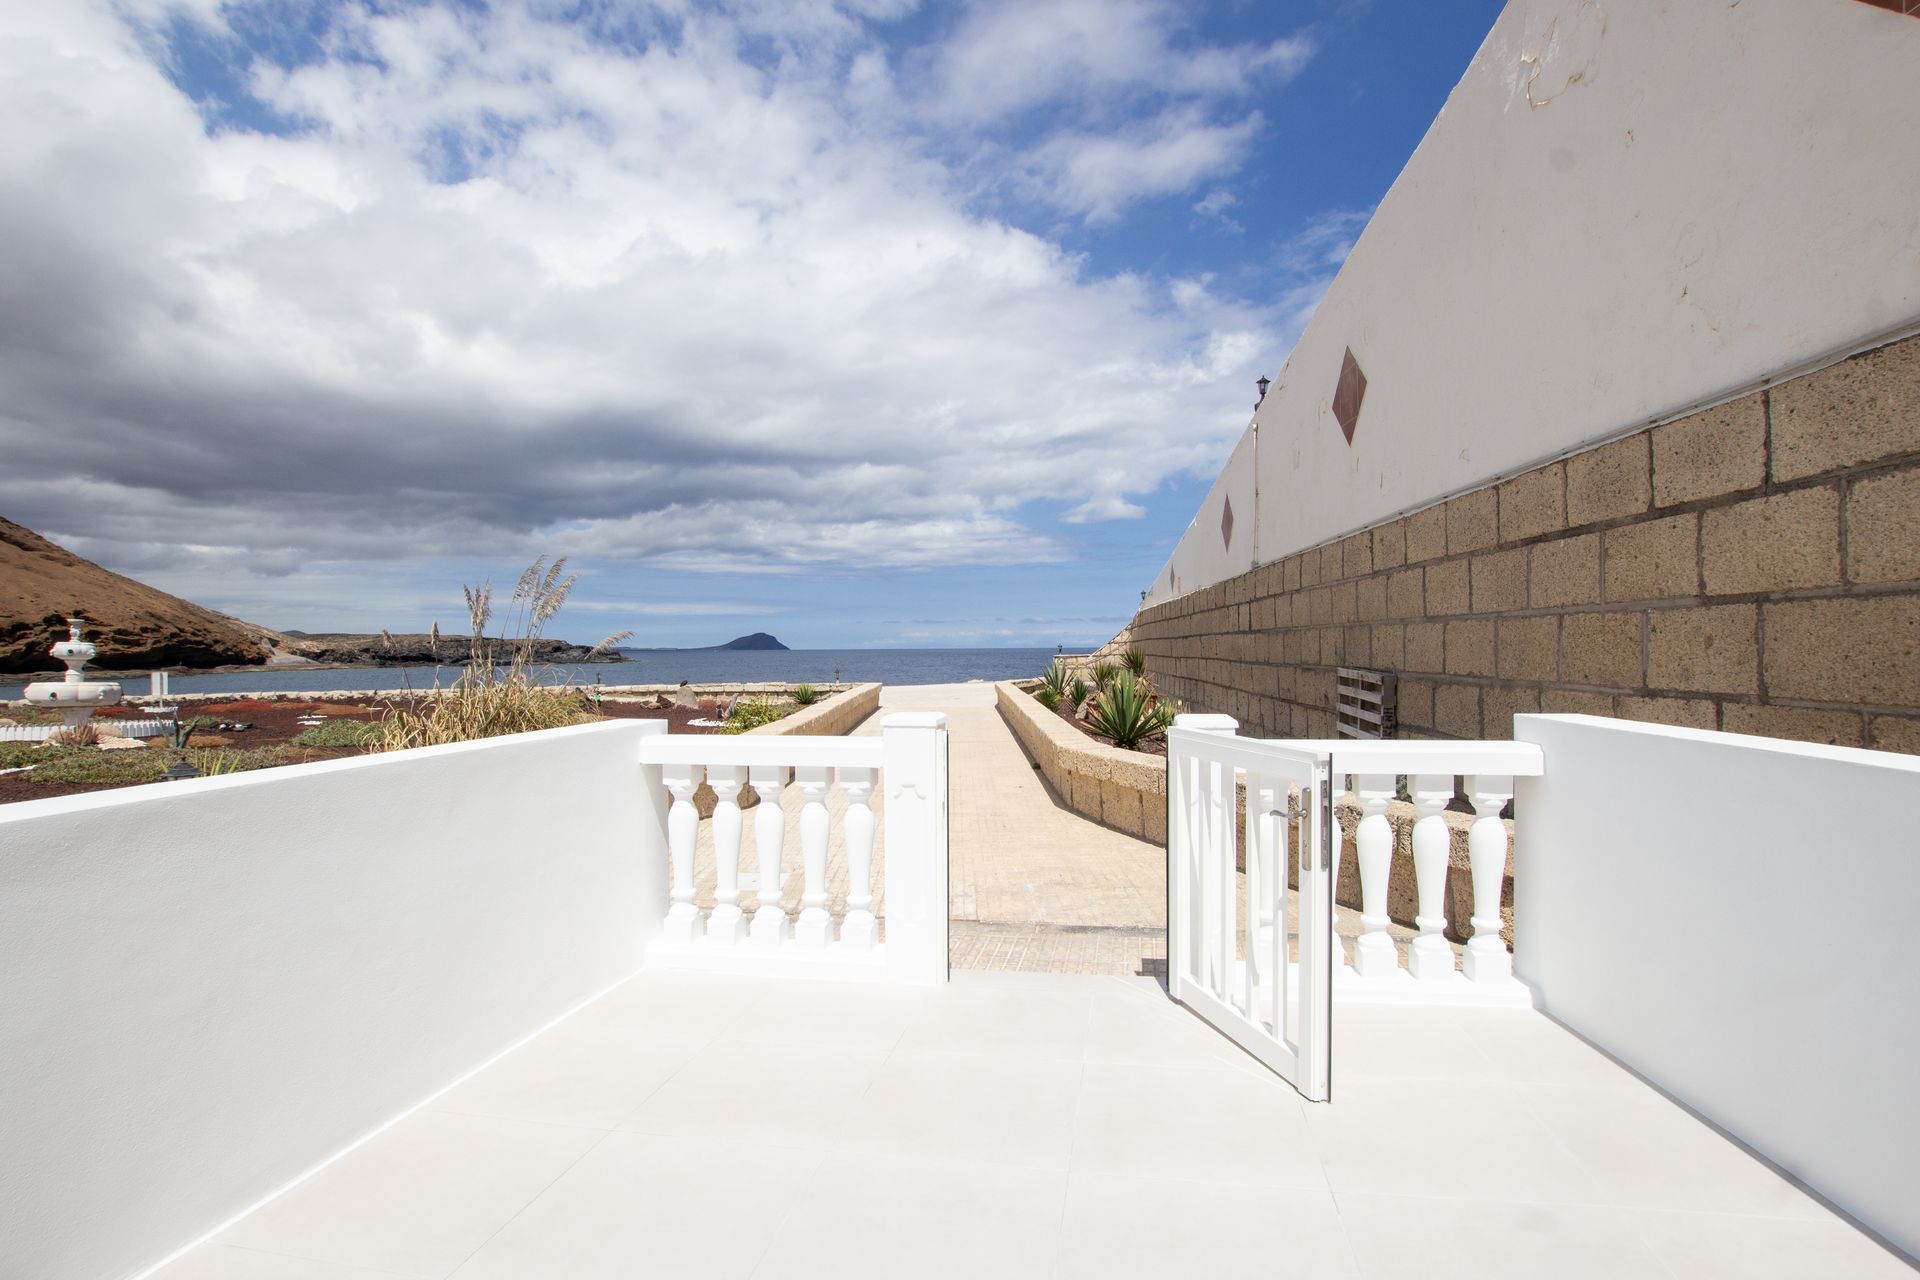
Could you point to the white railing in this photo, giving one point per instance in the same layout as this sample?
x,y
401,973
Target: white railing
x,y
908,759
1426,969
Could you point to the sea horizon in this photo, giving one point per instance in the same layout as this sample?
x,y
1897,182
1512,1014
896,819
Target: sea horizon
x,y
644,666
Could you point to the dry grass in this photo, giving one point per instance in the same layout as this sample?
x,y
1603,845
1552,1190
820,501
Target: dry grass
x,y
500,691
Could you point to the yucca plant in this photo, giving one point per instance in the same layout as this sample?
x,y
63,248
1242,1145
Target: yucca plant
x,y
1135,662
1078,692
1056,678
1103,674
1126,713
804,694
1047,697
488,699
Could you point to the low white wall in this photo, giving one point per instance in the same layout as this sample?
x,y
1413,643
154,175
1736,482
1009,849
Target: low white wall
x,y
1724,915
208,987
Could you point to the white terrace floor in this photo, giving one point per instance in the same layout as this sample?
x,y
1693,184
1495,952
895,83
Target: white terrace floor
x,y
1020,1125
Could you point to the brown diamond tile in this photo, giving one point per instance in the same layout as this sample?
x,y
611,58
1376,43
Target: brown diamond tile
x,y
1347,395
1226,524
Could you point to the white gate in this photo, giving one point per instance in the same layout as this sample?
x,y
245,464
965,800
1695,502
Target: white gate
x,y
1252,954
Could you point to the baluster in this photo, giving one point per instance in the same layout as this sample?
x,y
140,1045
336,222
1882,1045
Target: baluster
x,y
858,929
1487,958
1430,957
769,839
1261,893
1373,952
728,924
683,827
815,927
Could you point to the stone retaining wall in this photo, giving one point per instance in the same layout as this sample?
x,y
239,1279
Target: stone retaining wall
x,y
1754,567
1124,790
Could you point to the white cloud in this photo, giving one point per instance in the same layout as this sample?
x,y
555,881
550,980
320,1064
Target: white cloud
x,y
514,289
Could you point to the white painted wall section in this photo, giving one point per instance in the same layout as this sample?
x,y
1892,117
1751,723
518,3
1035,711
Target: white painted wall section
x,y
209,987
1723,914
1206,554
1625,210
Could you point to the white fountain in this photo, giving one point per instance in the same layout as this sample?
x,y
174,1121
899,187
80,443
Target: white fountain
x,y
75,697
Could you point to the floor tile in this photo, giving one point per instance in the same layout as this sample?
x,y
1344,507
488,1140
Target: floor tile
x,y
1399,1236
1122,1228
893,1217
1525,1047
1148,1029
229,1262
1442,1138
1194,1124
755,1091
970,1107
419,1197
1702,1246
1042,1020
645,1205
1396,1042
853,1015
578,1074
1645,1151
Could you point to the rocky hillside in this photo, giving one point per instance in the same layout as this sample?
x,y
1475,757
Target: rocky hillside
x,y
418,649
136,626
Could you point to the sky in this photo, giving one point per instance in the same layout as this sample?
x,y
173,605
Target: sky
x,y
860,322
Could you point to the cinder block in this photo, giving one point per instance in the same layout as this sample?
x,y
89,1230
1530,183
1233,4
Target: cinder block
x,y
1470,647
1447,588
1564,572
1456,710
1356,646
1609,482
1499,705
1390,646
1709,650
1390,545
1601,649
1416,704
1500,581
1473,521
1688,713
1895,733
1426,648
1838,728
1652,560
1775,543
1858,411
1883,527
1406,594
1370,598
1533,503
1529,648
1716,451
1356,555
1847,650
1345,602
1426,534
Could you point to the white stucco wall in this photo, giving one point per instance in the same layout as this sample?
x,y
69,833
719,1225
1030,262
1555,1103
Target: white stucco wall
x,y
1725,915
1625,210
1204,555
208,987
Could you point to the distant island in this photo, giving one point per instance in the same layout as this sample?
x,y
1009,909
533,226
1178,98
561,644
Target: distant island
x,y
758,640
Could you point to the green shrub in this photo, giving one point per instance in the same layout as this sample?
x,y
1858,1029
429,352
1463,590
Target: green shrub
x,y
89,765
1135,662
1057,678
17,755
805,694
1048,697
1078,693
339,733
1103,674
751,713
1126,713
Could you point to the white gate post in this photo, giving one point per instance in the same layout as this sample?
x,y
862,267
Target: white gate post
x,y
914,771
1187,836
652,840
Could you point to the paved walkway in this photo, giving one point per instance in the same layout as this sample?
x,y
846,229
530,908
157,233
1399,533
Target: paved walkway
x,y
1035,886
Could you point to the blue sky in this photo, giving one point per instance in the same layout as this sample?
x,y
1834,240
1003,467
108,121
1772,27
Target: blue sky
x,y
863,323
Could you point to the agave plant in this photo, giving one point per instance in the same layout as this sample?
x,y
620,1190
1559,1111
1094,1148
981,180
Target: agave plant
x,y
1048,698
1077,692
1135,662
1103,674
1126,713
1057,678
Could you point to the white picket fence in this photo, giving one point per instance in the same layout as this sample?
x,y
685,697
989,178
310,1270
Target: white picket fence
x,y
123,728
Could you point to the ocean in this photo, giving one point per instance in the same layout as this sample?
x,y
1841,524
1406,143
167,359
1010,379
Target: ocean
x,y
699,666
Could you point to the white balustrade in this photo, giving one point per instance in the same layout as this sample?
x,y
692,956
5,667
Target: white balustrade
x,y
683,830
1487,957
1374,954
1430,956
769,840
828,938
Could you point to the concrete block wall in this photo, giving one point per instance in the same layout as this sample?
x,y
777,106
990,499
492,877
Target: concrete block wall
x,y
1753,567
